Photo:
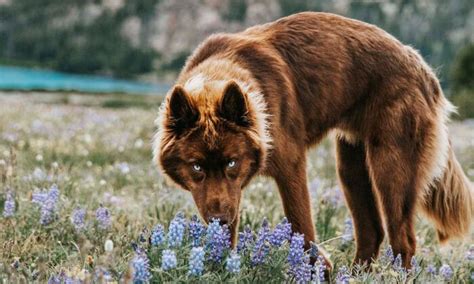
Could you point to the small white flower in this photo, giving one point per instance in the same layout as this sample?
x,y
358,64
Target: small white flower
x,y
39,157
102,182
109,245
89,164
55,165
139,143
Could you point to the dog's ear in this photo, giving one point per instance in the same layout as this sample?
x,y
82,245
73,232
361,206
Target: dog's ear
x,y
234,105
182,114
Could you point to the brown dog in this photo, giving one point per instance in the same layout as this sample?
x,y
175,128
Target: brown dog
x,y
254,102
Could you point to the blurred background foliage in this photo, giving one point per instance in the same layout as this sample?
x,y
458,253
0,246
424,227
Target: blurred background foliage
x,y
150,39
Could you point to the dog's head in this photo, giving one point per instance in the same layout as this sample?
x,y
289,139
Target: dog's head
x,y
211,141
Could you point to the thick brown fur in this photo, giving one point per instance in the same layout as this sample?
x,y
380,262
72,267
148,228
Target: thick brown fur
x,y
262,97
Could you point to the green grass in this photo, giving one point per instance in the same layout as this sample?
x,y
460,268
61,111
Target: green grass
x,y
83,150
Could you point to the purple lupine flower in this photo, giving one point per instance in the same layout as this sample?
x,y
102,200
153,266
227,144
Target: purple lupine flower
x,y
168,260
233,262
387,256
55,279
397,263
261,247
123,168
157,235
446,272
71,280
298,261
343,275
78,218
196,261
39,197
431,269
296,252
281,233
319,269
176,230
102,275
49,205
217,240
245,239
9,205
302,272
196,231
348,230
141,268
102,216
415,267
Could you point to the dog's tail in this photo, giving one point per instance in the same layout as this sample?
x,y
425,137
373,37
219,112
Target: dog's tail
x,y
449,201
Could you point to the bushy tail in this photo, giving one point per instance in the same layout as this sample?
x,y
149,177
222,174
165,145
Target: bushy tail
x,y
450,201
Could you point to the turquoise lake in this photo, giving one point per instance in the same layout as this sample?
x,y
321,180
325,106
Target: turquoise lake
x,y
26,79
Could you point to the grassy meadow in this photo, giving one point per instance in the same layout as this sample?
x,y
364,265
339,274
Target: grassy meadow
x,y
99,156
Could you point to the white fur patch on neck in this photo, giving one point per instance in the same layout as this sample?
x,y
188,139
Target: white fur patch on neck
x,y
195,83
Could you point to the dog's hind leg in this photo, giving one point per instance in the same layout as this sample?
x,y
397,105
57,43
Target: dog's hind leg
x,y
360,198
393,160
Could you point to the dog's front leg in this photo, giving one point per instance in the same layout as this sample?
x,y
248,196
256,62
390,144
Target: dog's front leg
x,y
296,201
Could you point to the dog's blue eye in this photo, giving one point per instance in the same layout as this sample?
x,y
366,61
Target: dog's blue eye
x,y
231,164
196,167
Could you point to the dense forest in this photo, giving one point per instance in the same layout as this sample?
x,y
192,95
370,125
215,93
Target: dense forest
x,y
125,38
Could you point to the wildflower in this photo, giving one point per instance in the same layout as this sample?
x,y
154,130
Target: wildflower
x,y
102,275
217,240
141,268
397,263
431,269
302,272
261,247
387,256
168,260
39,197
245,239
109,245
54,279
300,268
196,261
176,230
415,267
281,233
196,230
78,218
295,255
343,275
157,235
233,262
446,272
48,203
123,168
319,269
102,216
9,205
348,230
